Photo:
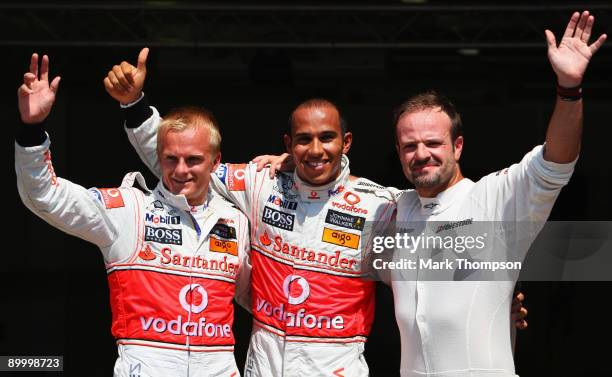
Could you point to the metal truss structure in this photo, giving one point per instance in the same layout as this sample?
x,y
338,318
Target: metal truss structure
x,y
314,25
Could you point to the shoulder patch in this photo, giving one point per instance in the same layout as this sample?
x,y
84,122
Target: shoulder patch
x,y
234,179
112,197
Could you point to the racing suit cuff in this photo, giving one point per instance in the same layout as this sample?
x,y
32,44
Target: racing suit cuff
x,y
137,112
552,171
31,135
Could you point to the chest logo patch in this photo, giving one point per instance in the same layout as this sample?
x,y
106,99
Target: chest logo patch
x,y
345,220
222,246
224,231
278,219
340,238
164,235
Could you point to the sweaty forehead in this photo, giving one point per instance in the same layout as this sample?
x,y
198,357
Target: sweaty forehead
x,y
314,118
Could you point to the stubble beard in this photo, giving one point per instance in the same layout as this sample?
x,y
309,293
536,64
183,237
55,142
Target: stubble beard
x,y
441,176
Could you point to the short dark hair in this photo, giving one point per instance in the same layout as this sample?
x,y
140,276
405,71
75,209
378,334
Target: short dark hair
x,y
430,100
316,103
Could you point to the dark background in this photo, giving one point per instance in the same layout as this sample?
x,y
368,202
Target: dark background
x,y
251,64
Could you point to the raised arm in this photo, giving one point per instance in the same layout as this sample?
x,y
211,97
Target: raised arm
x,y
124,82
63,204
35,97
569,60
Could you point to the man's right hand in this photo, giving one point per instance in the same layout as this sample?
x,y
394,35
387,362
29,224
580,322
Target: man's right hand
x,y
125,82
283,163
36,96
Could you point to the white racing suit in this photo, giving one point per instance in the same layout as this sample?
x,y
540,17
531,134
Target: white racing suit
x,y
172,270
460,328
312,308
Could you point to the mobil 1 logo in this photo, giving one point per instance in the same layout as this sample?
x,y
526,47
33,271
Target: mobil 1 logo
x,y
278,219
164,235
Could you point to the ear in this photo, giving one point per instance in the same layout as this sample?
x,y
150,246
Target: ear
x,y
287,142
216,163
348,141
458,146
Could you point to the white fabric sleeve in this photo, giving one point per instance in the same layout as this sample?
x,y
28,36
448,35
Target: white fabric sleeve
x,y
243,282
144,141
63,204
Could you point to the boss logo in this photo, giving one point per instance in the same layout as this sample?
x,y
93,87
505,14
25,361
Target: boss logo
x,y
278,219
163,235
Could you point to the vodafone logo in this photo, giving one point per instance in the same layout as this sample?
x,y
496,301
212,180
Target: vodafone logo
x,y
235,177
303,284
195,309
300,318
314,195
239,174
113,192
351,198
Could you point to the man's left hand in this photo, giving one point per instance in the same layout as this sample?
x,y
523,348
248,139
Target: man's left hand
x,y
570,59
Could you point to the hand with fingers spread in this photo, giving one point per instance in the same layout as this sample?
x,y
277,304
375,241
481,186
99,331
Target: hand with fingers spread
x,y
570,59
125,82
36,96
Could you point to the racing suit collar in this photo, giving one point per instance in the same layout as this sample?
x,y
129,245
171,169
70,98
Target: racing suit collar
x,y
322,193
442,201
179,201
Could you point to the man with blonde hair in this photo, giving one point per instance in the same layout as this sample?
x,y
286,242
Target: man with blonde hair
x,y
175,255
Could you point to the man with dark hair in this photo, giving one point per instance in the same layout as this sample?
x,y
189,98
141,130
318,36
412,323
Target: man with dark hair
x,y
428,100
175,256
311,234
312,104
310,231
460,328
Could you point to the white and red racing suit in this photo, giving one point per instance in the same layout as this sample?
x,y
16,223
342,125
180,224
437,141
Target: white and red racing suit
x,y
312,307
173,270
460,328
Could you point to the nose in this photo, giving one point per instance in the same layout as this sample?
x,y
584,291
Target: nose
x,y
422,153
316,148
181,167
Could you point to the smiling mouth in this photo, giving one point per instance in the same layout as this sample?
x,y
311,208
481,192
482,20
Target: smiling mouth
x,y
421,168
316,165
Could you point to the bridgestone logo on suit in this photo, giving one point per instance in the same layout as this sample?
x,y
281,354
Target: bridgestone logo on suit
x,y
278,219
164,235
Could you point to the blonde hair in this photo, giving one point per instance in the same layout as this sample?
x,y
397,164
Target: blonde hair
x,y
188,117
